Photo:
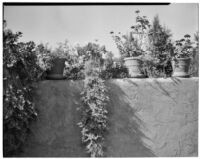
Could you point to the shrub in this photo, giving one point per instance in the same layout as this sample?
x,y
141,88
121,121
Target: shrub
x,y
117,71
20,71
157,63
74,72
44,60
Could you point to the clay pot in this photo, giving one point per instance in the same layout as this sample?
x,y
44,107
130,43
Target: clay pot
x,y
181,67
134,65
56,72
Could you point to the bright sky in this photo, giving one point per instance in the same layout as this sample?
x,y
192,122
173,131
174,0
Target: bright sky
x,y
82,24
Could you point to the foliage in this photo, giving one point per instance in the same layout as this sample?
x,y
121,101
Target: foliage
x,y
160,40
90,54
93,122
153,68
76,63
63,50
132,44
127,45
157,62
91,51
76,66
115,69
118,71
20,71
153,43
142,23
194,70
74,72
44,60
108,60
94,116
183,47
140,31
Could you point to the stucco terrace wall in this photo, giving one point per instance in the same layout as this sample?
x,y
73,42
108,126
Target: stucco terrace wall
x,y
147,117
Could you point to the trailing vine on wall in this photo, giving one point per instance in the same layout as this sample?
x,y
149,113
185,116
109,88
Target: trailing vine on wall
x,y
94,120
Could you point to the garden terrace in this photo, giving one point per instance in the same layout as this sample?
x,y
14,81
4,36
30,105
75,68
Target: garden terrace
x,y
147,117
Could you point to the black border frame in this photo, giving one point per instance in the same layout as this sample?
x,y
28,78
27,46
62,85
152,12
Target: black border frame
x,y
79,3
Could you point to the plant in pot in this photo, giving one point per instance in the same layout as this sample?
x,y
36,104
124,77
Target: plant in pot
x,y
182,57
133,45
57,58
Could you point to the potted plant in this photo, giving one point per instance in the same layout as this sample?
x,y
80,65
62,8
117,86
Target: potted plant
x,y
56,71
182,57
53,62
132,46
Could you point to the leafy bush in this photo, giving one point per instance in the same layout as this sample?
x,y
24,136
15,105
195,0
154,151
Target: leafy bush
x,y
117,71
20,71
154,69
63,50
158,60
44,60
74,72
91,51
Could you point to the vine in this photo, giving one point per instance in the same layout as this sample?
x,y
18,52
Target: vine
x,y
94,119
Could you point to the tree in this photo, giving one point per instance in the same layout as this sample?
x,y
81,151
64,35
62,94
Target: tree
x,y
108,61
161,47
195,61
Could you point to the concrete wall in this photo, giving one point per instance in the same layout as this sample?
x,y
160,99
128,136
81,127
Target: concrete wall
x,y
147,117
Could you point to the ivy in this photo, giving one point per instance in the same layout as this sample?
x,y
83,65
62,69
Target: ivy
x,y
94,116
94,119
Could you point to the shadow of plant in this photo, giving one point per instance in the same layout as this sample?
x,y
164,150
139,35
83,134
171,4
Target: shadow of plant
x,y
162,89
124,138
175,80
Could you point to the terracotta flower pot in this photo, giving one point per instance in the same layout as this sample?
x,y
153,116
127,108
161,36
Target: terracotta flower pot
x,y
134,65
56,72
181,67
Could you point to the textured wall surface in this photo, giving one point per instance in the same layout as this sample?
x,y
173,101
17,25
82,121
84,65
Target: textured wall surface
x,y
147,117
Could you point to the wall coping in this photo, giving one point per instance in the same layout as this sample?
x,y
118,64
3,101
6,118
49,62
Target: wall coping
x,y
172,79
162,80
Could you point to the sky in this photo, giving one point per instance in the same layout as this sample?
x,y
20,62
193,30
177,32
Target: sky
x,y
82,24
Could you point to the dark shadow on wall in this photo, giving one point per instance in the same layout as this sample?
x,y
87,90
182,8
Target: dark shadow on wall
x,y
124,138
132,83
175,80
161,89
